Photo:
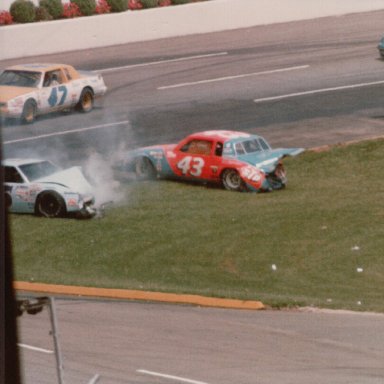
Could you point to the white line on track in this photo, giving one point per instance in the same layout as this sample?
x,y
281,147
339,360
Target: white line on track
x,y
162,62
233,77
66,132
289,95
32,348
170,377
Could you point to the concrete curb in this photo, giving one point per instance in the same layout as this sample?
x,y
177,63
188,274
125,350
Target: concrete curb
x,y
137,295
32,39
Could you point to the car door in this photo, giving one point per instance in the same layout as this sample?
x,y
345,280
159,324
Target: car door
x,y
56,91
196,160
18,194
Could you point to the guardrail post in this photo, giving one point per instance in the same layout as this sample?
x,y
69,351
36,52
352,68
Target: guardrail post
x,y
59,362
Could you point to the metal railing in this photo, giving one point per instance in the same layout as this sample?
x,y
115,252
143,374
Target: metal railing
x,y
35,306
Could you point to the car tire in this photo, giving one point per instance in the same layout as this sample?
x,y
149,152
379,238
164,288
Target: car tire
x,y
29,112
50,204
86,100
145,169
232,181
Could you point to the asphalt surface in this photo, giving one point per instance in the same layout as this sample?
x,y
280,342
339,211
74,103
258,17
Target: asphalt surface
x,y
137,343
332,67
160,91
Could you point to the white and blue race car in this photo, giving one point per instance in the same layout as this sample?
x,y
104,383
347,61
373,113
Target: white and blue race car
x,y
40,187
29,90
239,161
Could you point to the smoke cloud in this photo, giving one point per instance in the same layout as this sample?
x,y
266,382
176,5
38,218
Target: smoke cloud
x,y
98,171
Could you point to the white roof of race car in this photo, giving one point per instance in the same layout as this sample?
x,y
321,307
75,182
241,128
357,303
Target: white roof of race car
x,y
40,67
16,162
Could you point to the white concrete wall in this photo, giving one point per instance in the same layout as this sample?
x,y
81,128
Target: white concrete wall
x,y
32,39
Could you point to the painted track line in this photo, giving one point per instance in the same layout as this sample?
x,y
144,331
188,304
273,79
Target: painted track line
x,y
138,295
170,377
244,75
66,132
297,94
180,59
32,348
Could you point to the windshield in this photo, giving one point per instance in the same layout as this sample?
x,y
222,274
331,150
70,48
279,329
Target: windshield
x,y
20,78
36,171
251,146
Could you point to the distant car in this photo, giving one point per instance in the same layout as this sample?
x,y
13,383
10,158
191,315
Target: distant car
x,y
238,161
29,90
40,187
380,47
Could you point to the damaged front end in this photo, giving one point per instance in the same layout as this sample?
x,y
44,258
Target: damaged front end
x,y
277,179
87,208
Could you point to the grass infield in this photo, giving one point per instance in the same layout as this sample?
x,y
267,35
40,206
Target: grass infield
x,y
319,242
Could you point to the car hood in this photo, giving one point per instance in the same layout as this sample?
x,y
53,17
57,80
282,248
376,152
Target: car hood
x,y
7,92
72,178
267,160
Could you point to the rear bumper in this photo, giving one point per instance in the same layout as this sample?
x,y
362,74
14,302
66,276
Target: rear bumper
x,y
10,113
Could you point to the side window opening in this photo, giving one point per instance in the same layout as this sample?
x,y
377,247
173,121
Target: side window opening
x,y
12,175
219,149
53,78
198,147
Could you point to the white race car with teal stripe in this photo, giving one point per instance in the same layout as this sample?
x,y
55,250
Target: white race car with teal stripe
x,y
40,187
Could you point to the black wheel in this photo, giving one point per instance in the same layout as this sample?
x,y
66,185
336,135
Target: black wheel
x,y
29,112
50,204
85,103
144,169
232,181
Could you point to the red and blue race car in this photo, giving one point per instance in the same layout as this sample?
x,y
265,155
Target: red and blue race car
x,y
238,161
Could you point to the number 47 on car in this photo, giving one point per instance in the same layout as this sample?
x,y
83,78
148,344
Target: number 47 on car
x,y
29,90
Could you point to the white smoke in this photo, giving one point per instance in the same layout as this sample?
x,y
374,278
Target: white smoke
x,y
100,174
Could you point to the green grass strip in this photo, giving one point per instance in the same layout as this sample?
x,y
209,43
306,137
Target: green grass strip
x,y
318,242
